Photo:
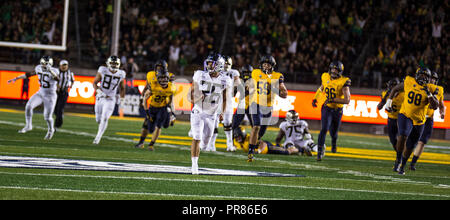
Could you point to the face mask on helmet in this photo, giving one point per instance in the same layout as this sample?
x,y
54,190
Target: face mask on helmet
x,y
162,77
423,76
267,64
228,63
292,117
239,135
46,61
113,63
336,69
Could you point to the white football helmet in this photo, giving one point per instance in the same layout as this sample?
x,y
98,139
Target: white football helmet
x,y
218,63
228,63
292,116
46,61
113,63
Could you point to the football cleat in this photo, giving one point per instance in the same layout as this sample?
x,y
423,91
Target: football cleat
x,y
96,141
412,167
251,158
401,171
333,149
231,149
194,170
321,153
49,135
139,145
25,130
396,166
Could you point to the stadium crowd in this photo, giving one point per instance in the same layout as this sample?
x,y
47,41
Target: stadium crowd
x,y
376,40
27,21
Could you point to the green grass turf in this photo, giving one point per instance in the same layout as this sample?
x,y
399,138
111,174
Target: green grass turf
x,y
336,177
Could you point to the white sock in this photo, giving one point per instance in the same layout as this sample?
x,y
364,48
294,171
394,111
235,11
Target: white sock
x,y
101,128
50,124
194,161
212,142
28,118
229,135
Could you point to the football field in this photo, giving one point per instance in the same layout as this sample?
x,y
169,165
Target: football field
x,y
70,167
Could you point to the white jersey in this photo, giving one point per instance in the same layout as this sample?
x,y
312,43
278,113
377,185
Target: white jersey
x,y
231,74
294,132
212,90
110,81
47,83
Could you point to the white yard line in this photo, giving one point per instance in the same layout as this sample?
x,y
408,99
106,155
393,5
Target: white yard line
x,y
224,182
138,193
305,166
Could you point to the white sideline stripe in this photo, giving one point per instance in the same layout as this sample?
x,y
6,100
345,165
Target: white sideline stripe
x,y
393,179
230,182
135,193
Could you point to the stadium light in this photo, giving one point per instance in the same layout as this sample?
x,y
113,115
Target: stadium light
x,y
61,47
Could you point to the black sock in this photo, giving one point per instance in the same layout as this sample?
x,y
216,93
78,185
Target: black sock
x,y
251,148
404,160
141,141
414,159
399,157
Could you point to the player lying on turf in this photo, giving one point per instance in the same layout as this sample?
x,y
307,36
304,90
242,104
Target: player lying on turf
x,y
48,81
241,140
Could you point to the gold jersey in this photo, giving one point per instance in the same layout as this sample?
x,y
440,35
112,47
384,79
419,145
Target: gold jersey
x,y
160,97
415,104
440,97
333,88
264,96
397,102
245,146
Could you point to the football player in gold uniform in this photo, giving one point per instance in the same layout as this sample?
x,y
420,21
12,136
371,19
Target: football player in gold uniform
x,y
265,84
152,80
418,97
337,90
392,115
426,134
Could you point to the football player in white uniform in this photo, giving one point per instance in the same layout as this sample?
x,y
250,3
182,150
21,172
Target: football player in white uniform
x,y
228,114
208,90
110,79
297,134
48,80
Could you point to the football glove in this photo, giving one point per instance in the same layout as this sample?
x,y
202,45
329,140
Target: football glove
x,y
389,105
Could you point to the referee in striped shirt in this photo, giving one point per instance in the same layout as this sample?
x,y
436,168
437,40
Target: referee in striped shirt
x,y
65,82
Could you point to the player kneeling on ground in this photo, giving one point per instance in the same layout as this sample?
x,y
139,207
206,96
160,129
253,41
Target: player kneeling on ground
x,y
297,134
